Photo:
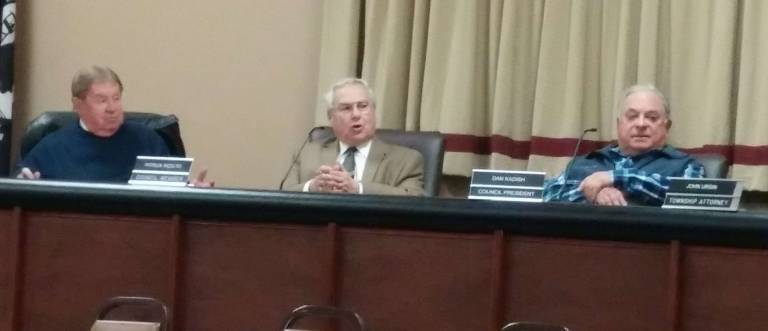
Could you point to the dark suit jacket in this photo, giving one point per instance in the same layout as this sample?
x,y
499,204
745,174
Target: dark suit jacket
x,y
389,169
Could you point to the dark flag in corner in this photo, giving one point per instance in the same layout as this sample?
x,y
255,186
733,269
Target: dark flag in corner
x,y
7,39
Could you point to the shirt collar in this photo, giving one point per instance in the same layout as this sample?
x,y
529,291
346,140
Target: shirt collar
x,y
83,126
666,149
363,148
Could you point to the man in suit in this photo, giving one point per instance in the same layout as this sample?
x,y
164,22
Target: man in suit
x,y
355,161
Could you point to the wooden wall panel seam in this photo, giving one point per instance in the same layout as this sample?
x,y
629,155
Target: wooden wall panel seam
x,y
18,262
498,299
333,261
674,284
175,258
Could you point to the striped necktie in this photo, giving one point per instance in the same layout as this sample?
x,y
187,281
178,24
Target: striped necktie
x,y
349,161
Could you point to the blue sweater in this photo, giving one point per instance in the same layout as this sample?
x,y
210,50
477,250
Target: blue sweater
x,y
74,154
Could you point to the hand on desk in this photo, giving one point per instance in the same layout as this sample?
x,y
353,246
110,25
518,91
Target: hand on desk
x,y
610,196
199,180
594,183
27,173
333,179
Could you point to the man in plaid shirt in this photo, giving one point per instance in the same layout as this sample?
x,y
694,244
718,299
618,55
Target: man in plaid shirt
x,y
636,170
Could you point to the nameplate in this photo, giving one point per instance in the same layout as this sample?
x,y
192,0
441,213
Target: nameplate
x,y
164,171
525,186
703,193
507,178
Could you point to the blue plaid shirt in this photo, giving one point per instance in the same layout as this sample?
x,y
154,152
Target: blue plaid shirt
x,y
635,176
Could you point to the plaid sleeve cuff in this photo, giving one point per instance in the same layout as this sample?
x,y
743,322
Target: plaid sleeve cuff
x,y
620,178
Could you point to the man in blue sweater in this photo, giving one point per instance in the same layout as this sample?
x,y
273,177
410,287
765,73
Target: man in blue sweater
x,y
100,146
637,168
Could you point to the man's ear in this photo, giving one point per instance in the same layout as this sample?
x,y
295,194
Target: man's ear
x,y
77,106
669,123
76,103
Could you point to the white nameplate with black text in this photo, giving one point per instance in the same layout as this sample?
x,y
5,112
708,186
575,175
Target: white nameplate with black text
x,y
158,170
703,194
525,186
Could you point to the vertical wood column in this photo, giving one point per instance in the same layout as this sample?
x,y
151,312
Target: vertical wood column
x,y
333,281
18,236
497,281
176,263
333,249
674,284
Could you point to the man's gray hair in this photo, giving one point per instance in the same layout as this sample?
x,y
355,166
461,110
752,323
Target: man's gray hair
x,y
330,96
88,76
641,88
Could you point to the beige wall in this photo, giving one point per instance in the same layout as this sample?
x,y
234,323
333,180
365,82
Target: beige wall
x,y
240,74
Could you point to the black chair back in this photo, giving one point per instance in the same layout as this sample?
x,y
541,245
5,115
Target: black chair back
x,y
167,126
153,306
350,318
429,143
715,165
533,326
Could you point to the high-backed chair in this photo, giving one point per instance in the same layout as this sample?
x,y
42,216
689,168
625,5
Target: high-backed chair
x,y
532,326
154,307
167,126
429,143
350,319
715,165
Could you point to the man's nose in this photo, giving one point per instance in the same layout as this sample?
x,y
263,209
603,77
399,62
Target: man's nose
x,y
112,106
356,111
642,121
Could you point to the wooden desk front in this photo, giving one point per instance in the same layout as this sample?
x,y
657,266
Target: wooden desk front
x,y
241,260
